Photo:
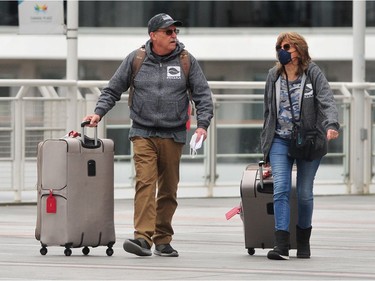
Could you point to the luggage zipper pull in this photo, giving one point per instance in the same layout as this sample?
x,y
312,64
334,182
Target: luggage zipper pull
x,y
51,203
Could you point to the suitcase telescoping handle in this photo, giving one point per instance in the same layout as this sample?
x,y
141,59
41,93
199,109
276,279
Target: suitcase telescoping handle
x,y
83,125
261,164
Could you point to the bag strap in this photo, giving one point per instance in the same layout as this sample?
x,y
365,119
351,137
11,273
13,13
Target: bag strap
x,y
302,96
290,99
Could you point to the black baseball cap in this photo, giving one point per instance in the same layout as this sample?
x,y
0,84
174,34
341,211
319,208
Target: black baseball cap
x,y
161,21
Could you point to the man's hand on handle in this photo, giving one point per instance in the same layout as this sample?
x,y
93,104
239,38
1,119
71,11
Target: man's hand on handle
x,y
93,118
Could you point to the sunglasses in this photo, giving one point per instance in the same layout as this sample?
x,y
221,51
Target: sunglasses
x,y
169,32
286,47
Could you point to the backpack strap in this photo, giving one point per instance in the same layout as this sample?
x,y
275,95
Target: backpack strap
x,y
136,65
185,64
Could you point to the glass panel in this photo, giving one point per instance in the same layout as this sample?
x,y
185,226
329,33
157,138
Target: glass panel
x,y
209,13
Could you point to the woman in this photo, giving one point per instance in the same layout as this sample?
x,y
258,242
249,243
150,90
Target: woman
x,y
298,81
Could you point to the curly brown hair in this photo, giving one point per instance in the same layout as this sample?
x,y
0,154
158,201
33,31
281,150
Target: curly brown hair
x,y
300,45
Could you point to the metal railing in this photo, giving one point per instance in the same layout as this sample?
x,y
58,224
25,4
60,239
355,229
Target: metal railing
x,y
34,110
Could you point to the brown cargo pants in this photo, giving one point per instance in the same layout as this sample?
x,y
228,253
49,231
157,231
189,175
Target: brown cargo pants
x,y
157,166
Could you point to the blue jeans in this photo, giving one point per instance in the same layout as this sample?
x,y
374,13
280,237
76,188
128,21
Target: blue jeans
x,y
282,165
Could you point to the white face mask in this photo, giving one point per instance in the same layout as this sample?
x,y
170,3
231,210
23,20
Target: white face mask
x,y
194,146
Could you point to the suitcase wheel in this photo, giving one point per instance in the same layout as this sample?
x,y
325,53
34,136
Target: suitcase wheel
x,y
250,251
68,252
86,251
109,251
43,251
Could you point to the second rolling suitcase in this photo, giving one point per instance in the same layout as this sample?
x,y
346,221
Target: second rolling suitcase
x,y
75,194
257,208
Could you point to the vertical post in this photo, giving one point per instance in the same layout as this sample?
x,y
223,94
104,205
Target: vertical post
x,y
212,159
72,62
18,152
18,169
358,132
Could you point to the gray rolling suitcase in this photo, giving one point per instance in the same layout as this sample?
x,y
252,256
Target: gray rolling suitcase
x,y
257,208
75,188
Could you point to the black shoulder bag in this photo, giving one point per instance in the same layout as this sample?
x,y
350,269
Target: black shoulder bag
x,y
303,141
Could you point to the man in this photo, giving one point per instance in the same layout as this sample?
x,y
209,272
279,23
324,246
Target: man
x,y
159,111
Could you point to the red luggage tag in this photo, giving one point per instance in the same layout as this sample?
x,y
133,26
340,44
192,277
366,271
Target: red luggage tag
x,y
232,212
51,203
73,134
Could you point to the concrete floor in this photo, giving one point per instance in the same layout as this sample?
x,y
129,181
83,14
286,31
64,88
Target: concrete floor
x,y
210,247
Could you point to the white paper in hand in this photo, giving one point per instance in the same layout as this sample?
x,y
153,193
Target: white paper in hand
x,y
194,145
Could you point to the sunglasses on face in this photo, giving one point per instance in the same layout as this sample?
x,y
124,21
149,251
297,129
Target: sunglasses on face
x,y
169,32
286,47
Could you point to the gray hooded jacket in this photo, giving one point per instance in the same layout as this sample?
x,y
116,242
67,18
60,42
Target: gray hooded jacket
x,y
160,101
318,107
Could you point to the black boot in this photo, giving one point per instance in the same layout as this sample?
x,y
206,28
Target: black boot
x,y
303,242
281,249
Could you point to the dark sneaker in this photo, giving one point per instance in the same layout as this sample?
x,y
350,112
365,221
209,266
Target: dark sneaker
x,y
138,247
165,250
